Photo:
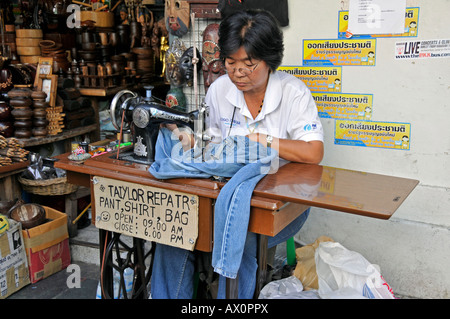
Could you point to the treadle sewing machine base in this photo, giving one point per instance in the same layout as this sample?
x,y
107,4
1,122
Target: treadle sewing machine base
x,y
277,200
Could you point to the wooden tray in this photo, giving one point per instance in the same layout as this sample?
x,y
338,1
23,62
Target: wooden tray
x,y
13,167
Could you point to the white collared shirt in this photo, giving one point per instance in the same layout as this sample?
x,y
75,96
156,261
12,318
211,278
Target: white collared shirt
x,y
288,112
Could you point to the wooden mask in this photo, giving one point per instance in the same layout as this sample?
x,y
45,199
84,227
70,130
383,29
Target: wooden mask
x,y
173,56
187,65
176,15
213,66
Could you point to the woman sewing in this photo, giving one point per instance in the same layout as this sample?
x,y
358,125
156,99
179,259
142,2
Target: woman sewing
x,y
270,107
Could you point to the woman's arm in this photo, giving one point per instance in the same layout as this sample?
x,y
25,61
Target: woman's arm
x,y
293,150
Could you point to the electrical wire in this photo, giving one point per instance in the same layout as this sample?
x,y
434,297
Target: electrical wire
x,y
103,264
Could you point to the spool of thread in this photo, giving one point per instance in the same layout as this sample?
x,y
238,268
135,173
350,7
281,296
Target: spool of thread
x,y
85,146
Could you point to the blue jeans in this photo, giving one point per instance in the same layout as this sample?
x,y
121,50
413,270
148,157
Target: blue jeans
x,y
173,268
245,161
231,217
224,159
237,157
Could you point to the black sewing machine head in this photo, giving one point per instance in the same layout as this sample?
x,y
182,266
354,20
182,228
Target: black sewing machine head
x,y
142,117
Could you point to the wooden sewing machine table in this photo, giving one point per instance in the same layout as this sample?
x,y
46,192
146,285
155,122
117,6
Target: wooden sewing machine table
x,y
277,199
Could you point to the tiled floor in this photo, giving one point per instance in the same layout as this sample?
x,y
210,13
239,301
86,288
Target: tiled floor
x,y
63,284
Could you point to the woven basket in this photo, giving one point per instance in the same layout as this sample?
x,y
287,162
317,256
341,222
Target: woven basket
x,y
54,186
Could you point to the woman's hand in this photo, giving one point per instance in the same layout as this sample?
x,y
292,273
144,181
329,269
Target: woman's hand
x,y
169,126
186,139
258,137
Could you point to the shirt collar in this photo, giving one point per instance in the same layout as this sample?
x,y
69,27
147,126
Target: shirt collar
x,y
272,97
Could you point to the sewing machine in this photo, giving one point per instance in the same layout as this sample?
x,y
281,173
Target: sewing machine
x,y
142,117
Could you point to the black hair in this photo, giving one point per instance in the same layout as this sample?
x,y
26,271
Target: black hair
x,y
257,31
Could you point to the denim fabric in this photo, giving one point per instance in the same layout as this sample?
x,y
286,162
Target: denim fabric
x,y
249,265
289,231
173,273
173,268
231,216
224,159
246,162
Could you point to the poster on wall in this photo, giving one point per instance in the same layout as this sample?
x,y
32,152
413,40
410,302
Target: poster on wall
x,y
411,26
376,16
423,49
344,106
321,79
373,134
343,52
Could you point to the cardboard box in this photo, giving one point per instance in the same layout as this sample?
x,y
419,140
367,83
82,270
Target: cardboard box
x,y
47,245
13,261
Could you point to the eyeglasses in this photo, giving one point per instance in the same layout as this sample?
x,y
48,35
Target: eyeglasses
x,y
244,71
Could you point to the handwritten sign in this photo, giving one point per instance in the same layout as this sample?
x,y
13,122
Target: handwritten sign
x,y
154,214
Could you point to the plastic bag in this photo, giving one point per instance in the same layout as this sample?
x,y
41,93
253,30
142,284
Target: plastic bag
x,y
347,274
287,288
305,270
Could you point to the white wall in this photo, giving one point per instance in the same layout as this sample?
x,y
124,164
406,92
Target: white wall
x,y
412,248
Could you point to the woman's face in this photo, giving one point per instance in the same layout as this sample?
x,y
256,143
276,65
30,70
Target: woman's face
x,y
248,75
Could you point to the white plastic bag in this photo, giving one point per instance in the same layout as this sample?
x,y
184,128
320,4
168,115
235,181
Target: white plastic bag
x,y
347,274
287,288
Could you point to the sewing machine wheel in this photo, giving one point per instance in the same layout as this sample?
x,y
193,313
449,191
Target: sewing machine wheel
x,y
117,106
120,255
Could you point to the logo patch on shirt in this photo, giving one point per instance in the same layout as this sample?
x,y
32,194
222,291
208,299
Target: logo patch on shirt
x,y
310,127
227,121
